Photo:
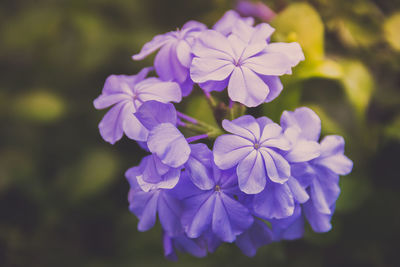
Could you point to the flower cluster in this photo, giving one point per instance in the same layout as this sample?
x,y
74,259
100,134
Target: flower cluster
x,y
261,180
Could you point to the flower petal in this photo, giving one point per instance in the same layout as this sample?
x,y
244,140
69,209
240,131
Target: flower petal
x,y
257,34
275,87
159,91
230,149
169,144
153,113
251,173
230,218
225,24
105,100
212,44
111,125
292,50
298,191
183,52
269,64
320,222
202,206
332,149
133,128
270,131
256,236
144,205
324,189
214,85
274,202
169,213
289,228
210,69
153,45
246,87
220,222
304,119
167,64
199,166
303,151
245,126
194,25
278,169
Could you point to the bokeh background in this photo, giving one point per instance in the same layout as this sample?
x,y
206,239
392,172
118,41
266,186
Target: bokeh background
x,y
63,195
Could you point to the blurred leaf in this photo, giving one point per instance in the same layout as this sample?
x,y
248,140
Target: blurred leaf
x,y
30,29
353,193
16,167
40,106
95,172
327,238
95,39
392,30
357,22
199,109
328,125
355,33
289,99
300,22
393,130
326,68
358,84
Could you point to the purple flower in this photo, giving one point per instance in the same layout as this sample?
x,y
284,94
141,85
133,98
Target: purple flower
x,y
215,210
225,24
152,174
199,166
254,147
173,60
169,148
324,187
289,228
182,243
255,9
146,204
274,202
164,139
302,128
256,236
244,62
127,93
315,168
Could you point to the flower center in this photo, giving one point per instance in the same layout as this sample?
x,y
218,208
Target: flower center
x,y
237,62
217,188
256,145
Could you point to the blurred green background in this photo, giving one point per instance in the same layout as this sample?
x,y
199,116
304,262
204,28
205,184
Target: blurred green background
x,y
63,195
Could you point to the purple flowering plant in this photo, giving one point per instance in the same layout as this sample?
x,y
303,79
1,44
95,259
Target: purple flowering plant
x,y
261,181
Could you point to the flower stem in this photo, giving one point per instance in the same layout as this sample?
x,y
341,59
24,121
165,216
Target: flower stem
x,y
197,137
211,101
186,117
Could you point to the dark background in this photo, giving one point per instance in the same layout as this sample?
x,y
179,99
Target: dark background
x,y
63,195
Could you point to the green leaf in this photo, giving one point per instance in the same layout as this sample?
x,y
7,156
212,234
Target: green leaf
x,y
300,22
40,105
354,191
393,130
392,31
328,125
95,172
356,33
289,99
326,68
358,84
200,110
